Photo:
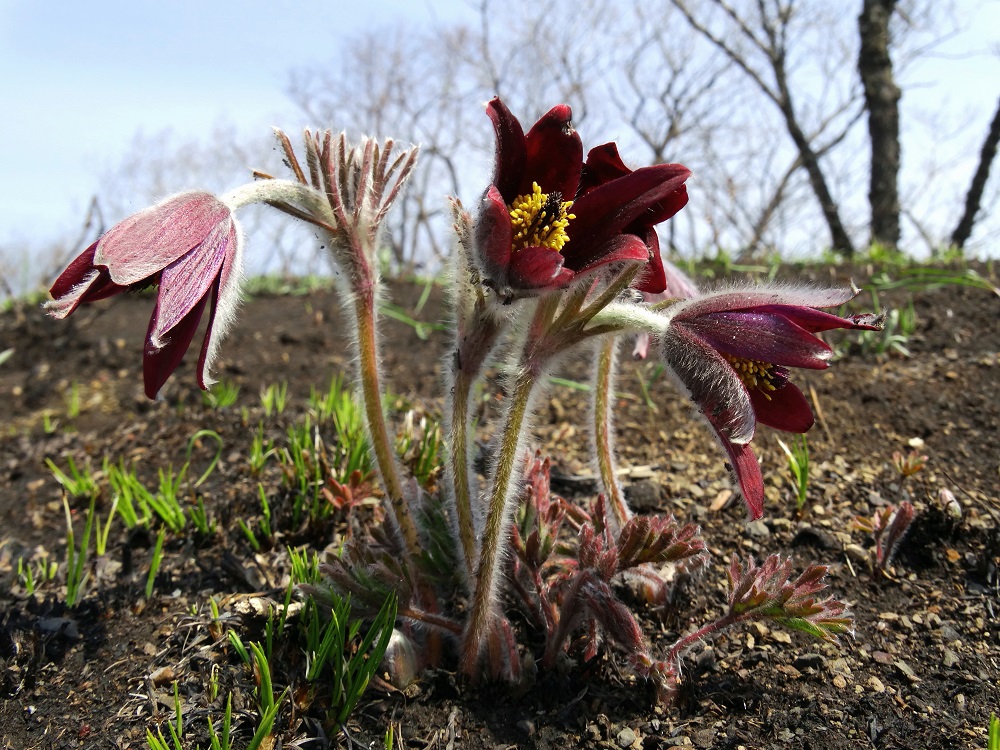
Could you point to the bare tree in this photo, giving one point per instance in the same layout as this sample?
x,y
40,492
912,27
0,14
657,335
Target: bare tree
x,y
974,196
882,102
757,38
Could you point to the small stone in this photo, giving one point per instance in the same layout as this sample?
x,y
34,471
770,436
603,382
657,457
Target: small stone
x,y
840,681
903,667
960,702
626,738
527,726
706,660
856,553
704,738
949,634
876,684
808,661
950,658
758,529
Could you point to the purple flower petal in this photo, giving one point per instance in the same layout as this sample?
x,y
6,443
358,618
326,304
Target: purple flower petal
x,y
748,477
187,281
766,338
744,299
711,382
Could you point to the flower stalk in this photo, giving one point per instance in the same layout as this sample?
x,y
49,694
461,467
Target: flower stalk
x,y
605,367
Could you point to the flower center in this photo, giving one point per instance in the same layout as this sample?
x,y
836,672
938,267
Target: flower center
x,y
754,373
540,219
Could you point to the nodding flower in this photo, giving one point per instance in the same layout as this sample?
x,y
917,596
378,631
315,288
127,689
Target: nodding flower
x,y
731,349
190,246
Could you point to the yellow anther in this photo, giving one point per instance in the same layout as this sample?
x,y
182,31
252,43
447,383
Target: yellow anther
x,y
540,219
755,374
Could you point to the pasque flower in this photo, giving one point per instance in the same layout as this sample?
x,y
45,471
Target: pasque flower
x,y
191,247
548,217
730,350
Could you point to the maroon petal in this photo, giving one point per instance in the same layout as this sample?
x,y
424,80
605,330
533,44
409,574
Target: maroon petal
x,y
711,382
75,273
538,268
748,299
747,473
608,209
511,151
159,363
494,236
144,244
203,357
653,279
186,282
554,154
81,282
619,248
603,165
787,409
817,321
767,338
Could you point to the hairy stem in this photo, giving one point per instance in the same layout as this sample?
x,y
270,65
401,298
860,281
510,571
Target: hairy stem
x,y
603,430
487,574
459,456
364,309
726,621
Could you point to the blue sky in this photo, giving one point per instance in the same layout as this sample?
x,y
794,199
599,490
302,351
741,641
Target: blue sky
x,y
78,80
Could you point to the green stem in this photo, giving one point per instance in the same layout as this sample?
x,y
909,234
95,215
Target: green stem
x,y
604,381
364,309
487,575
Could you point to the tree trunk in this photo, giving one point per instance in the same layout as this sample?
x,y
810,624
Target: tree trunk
x,y
810,161
972,199
882,102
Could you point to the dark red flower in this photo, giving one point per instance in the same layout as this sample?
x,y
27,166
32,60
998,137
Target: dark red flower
x,y
189,245
730,350
548,218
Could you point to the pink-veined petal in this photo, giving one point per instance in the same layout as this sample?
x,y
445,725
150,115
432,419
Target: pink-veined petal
x,y
728,299
147,242
787,409
187,281
767,338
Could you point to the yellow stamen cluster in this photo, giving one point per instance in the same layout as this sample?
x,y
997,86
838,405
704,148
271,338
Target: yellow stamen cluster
x,y
540,220
755,374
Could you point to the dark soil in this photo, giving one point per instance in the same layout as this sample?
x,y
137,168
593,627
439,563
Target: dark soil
x,y
921,670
